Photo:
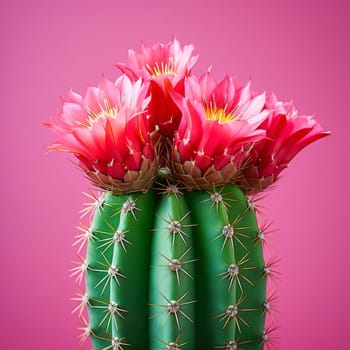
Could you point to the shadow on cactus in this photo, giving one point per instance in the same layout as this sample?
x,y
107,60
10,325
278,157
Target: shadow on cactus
x,y
174,253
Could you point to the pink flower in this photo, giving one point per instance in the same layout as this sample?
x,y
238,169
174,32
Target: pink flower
x,y
107,130
227,100
219,123
165,66
287,133
157,114
160,61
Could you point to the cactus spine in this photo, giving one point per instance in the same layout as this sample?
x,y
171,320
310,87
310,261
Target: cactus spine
x,y
174,270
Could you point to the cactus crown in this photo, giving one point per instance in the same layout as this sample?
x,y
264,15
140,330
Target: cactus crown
x,y
158,114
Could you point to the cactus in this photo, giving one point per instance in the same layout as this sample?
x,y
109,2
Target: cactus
x,y
175,269
117,272
174,251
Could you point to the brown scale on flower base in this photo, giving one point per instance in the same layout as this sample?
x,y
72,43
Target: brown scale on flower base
x,y
256,185
191,176
133,181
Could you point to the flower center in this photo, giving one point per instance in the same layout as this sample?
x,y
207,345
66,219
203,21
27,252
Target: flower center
x,y
161,68
219,114
106,110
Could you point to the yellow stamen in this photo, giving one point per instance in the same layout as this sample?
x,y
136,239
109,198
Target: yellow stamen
x,y
219,114
162,68
106,110
292,115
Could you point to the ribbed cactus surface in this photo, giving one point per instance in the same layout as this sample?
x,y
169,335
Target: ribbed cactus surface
x,y
172,269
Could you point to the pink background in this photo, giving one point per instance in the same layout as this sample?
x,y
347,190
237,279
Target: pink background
x,y
299,49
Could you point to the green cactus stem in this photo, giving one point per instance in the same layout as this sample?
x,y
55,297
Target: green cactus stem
x,y
230,283
173,270
99,252
172,292
117,276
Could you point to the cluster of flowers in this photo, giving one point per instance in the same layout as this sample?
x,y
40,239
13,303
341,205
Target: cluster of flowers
x,y
157,114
